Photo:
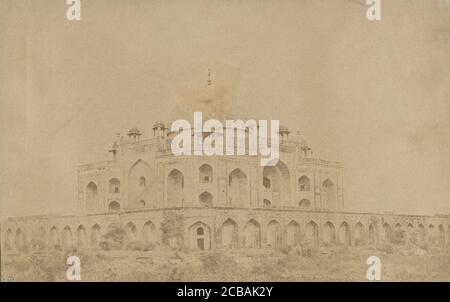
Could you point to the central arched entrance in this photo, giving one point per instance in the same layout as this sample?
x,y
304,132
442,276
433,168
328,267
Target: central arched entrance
x,y
277,183
175,187
238,188
200,236
328,195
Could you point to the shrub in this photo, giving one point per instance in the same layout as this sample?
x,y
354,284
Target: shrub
x,y
398,237
172,228
114,238
136,245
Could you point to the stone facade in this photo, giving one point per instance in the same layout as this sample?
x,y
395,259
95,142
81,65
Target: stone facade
x,y
216,202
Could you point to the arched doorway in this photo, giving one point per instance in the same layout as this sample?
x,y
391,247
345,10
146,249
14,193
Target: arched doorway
x,y
329,233
175,187
206,199
387,233
373,234
81,237
252,233
421,235
277,183
230,234
328,195
360,238
274,238
95,236
205,173
114,207
312,233
344,234
303,183
238,191
293,234
67,238
114,186
131,231
200,236
91,197
138,180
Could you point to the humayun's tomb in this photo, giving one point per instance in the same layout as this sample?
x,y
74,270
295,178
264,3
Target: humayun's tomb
x,y
210,202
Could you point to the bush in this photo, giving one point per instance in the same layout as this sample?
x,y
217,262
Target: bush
x,y
398,237
114,238
387,248
309,251
172,229
136,245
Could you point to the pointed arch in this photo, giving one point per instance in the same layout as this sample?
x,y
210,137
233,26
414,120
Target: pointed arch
x,y
114,185
359,234
277,183
328,194
175,188
138,176
238,188
304,183
345,234
91,197
200,236
387,232
95,236
421,235
274,238
142,181
441,235
304,204
81,237
410,233
67,238
206,199
114,206
54,238
131,231
230,235
205,173
329,233
373,234
293,235
252,234
149,233
312,233
431,234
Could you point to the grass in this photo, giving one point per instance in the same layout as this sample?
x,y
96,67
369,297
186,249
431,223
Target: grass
x,y
165,264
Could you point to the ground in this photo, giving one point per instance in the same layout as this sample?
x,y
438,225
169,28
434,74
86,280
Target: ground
x,y
164,264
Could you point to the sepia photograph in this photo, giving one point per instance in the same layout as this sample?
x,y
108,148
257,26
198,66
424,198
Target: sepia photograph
x,y
225,141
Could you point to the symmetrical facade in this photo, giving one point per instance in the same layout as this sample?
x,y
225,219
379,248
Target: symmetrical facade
x,y
216,202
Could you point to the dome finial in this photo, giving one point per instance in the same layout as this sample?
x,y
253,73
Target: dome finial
x,y
209,77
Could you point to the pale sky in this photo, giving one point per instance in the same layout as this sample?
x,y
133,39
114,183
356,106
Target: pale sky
x,y
374,95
